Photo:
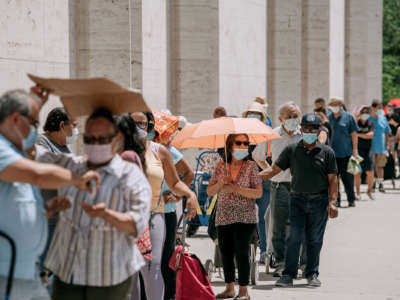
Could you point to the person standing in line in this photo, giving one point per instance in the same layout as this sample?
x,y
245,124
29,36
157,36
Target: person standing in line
x,y
22,214
380,141
238,185
60,131
256,110
311,201
345,144
219,112
365,134
93,254
289,130
265,108
160,167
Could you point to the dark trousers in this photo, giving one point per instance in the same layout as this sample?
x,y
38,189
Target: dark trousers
x,y
262,204
280,197
347,178
67,291
234,242
308,219
169,275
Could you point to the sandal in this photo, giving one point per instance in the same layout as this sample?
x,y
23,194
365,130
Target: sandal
x,y
224,295
242,297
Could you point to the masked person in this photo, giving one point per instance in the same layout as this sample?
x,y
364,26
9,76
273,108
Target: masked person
x,y
257,111
60,131
93,254
289,130
380,141
345,144
236,181
313,193
22,214
365,134
159,167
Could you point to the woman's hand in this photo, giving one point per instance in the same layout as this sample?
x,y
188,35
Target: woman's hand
x,y
57,204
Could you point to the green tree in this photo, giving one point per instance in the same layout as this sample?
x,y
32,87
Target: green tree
x,y
391,50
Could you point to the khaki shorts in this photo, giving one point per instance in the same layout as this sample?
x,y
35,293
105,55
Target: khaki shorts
x,y
380,159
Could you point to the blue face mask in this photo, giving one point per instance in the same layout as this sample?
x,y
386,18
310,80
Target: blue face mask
x,y
310,138
254,116
240,154
30,140
151,135
380,112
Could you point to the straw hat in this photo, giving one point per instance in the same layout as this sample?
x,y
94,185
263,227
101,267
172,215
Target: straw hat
x,y
255,107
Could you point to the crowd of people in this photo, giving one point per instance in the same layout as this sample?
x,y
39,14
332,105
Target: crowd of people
x,y
103,225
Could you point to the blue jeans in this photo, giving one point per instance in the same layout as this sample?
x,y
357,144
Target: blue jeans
x,y
262,204
308,219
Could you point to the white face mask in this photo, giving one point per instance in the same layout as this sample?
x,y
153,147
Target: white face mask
x,y
335,109
254,116
291,124
98,154
364,117
142,133
72,139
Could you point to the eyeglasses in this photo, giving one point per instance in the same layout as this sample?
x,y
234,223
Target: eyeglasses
x,y
102,140
32,121
142,124
240,143
310,130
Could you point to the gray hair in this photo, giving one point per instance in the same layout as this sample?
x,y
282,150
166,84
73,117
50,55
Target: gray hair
x,y
286,105
15,101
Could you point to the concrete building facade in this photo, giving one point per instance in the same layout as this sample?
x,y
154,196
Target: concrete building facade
x,y
190,56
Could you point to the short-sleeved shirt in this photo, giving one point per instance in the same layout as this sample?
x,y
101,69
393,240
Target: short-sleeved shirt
x,y
365,144
393,128
232,207
176,157
343,127
381,128
309,168
22,217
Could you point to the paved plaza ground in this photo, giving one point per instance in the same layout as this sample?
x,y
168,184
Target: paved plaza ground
x,y
360,258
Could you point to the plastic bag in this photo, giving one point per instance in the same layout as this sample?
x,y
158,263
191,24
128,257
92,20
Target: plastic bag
x,y
354,166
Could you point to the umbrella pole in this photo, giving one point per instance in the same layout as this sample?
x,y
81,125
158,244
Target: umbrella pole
x,y
226,158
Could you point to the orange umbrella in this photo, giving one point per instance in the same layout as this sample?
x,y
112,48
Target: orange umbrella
x,y
166,125
212,134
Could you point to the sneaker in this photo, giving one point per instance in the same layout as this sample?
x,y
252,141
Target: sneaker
x,y
352,204
371,197
359,197
337,203
279,269
313,281
263,258
381,188
285,281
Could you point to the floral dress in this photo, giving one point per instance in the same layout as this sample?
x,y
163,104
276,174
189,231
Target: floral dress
x,y
232,207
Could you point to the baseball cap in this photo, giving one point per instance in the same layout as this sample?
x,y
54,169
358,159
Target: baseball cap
x,y
310,119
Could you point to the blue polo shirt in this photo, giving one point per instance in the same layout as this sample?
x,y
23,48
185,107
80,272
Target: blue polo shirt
x,y
342,127
176,157
379,140
22,217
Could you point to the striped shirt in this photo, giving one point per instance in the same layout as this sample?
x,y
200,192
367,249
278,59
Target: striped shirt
x,y
89,251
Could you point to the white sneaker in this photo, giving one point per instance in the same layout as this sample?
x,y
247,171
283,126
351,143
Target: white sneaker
x,y
359,197
371,197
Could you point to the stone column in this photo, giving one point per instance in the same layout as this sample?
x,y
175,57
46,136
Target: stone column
x,y
374,50
242,56
337,48
284,54
356,53
194,58
155,35
315,52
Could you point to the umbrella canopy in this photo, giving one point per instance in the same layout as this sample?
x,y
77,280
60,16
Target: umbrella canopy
x,y
166,125
81,97
212,134
394,102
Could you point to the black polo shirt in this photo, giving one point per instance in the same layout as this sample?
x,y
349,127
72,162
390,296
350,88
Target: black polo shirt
x,y
309,168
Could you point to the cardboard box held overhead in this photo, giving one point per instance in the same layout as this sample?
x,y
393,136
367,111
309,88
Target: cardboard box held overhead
x,y
81,97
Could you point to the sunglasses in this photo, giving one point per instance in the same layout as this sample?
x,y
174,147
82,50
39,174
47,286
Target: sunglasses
x,y
240,143
101,140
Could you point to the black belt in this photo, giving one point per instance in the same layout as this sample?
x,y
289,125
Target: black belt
x,y
310,195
